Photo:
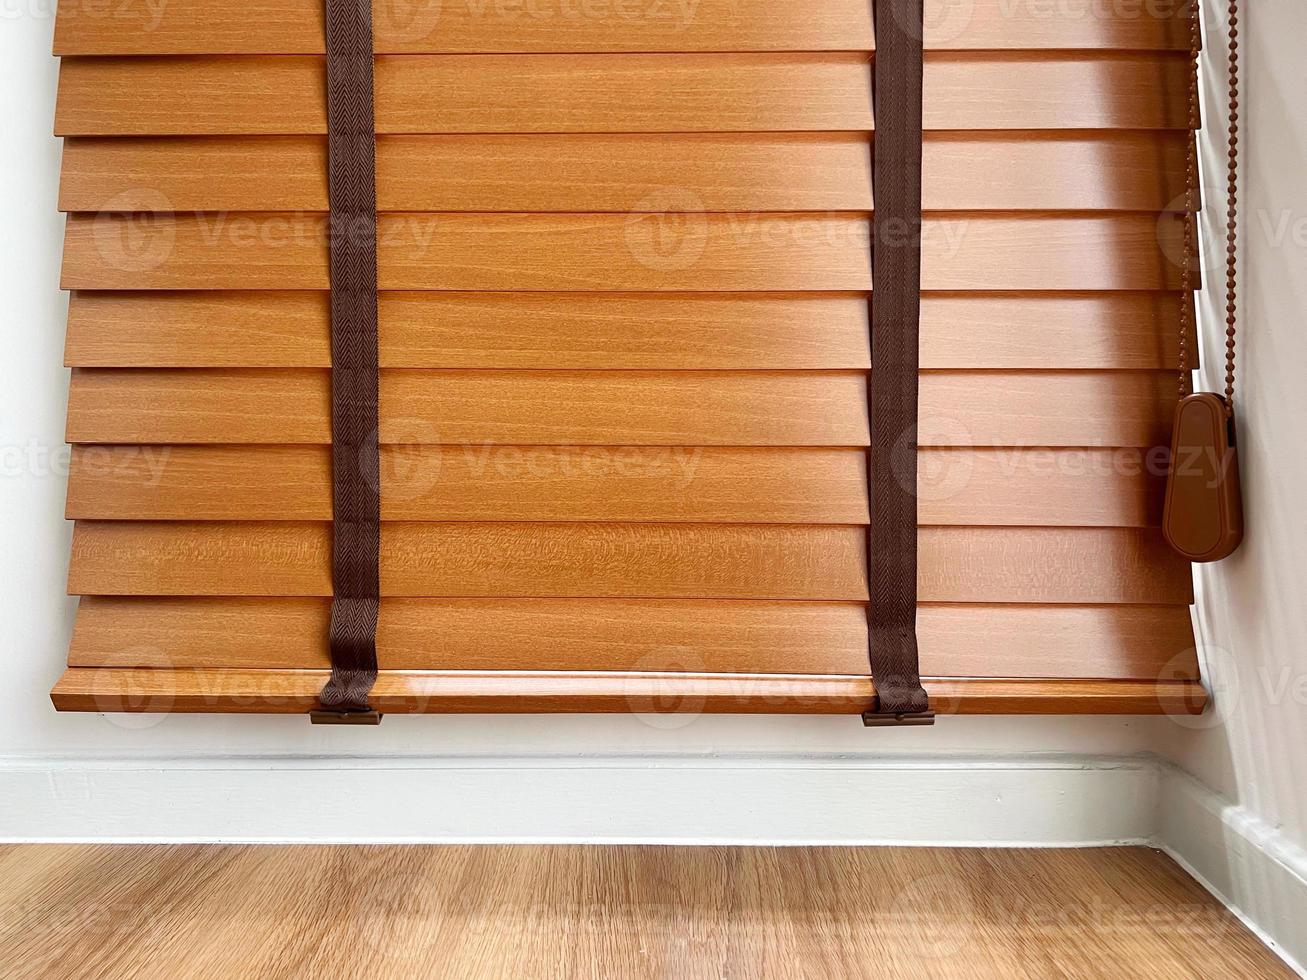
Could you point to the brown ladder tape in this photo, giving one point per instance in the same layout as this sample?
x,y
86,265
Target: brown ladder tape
x,y
892,388
355,460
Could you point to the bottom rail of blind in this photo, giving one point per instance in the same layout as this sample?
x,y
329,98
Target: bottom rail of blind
x,y
646,693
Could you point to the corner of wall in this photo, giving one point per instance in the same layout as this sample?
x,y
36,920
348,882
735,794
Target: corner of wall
x,y
1258,872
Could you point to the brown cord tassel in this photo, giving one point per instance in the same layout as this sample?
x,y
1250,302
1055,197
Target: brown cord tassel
x,y
1203,514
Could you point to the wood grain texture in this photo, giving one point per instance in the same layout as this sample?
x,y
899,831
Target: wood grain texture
x,y
1112,171
624,333
477,483
1041,565
471,94
469,26
580,560
1132,251
1070,487
450,692
222,407
1037,487
610,93
693,331
1018,409
1106,170
629,912
466,26
614,252
420,407
1059,565
1046,408
1108,642
621,172
1098,331
988,90
696,331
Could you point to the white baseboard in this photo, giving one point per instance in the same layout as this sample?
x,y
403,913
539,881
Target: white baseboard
x,y
1239,858
1027,801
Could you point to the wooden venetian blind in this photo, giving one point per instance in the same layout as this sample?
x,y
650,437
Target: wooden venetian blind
x,y
624,267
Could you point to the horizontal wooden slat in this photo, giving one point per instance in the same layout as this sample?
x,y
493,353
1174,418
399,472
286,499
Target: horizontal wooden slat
x,y
625,172
498,252
729,331
621,331
1065,565
662,560
607,252
1100,331
627,93
1057,565
401,692
1105,170
1145,642
989,90
1069,487
210,406
472,26
477,483
1142,642
1083,253
1046,408
1126,171
1072,408
1039,487
296,26
471,94
421,407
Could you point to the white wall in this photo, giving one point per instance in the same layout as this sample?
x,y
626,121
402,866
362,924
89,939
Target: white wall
x,y
1254,605
1251,752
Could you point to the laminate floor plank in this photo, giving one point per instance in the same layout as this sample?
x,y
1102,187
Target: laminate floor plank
x,y
153,911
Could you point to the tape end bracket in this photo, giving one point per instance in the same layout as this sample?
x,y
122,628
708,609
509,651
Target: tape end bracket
x,y
325,716
876,719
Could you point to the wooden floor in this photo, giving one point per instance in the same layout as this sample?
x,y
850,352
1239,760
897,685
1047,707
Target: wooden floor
x,y
610,912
